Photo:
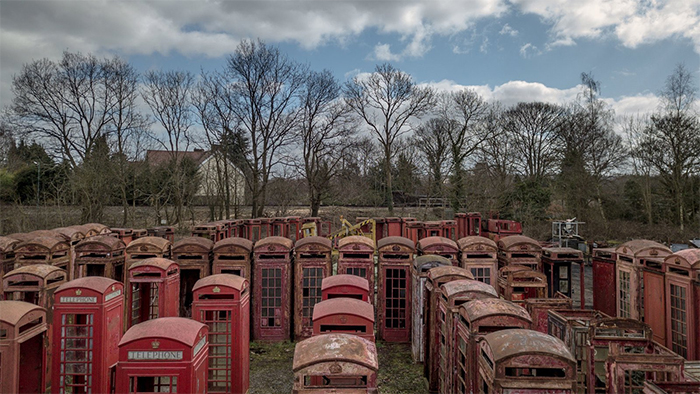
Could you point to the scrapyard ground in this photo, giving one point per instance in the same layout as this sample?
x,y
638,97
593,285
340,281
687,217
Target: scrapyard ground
x,y
271,369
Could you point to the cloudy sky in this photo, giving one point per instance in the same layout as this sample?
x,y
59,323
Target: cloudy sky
x,y
511,50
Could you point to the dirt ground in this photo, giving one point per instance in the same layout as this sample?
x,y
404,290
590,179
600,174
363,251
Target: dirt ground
x,y
271,369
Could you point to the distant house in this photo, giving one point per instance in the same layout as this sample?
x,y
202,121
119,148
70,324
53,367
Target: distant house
x,y
209,166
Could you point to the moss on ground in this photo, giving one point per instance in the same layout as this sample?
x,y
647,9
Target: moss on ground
x,y
271,369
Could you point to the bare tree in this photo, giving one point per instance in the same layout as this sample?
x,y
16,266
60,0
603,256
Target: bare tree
x,y
633,129
266,85
167,93
386,101
533,130
462,113
431,140
496,158
325,130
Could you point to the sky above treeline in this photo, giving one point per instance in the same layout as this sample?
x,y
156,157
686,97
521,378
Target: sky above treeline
x,y
516,50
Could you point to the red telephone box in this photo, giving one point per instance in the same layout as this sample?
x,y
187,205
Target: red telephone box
x,y
36,284
449,229
7,257
344,315
206,230
604,281
222,302
272,285
97,229
154,290
253,228
232,256
518,283
519,250
125,234
436,278
480,256
629,274
347,286
166,232
165,355
139,233
356,257
539,309
557,266
393,227
394,302
101,255
193,257
654,297
682,290
454,294
338,363
73,233
419,276
87,327
312,263
476,319
146,248
414,231
525,361
468,224
44,250
440,246
22,358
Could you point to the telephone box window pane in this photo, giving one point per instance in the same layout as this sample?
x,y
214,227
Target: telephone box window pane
x,y
395,295
271,298
679,320
311,292
624,294
76,353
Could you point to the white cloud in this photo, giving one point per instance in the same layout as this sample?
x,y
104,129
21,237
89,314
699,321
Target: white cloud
x,y
528,50
507,30
382,52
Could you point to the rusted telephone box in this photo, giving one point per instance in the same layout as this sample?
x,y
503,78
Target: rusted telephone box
x,y
340,363
449,229
519,250
123,233
166,232
154,290
476,319
44,250
356,257
139,233
394,302
272,287
22,358
604,280
101,255
431,335
345,286
36,284
7,257
209,231
414,231
73,233
419,276
629,274
96,229
654,297
312,264
468,224
496,229
344,315
193,257
454,294
480,256
222,302
525,361
232,256
682,307
440,246
87,327
165,355
628,370
557,266
394,227
147,247
518,283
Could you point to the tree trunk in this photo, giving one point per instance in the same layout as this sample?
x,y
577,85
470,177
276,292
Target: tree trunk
x,y
387,167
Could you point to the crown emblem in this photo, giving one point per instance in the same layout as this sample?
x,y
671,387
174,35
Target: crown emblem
x,y
216,289
155,344
78,292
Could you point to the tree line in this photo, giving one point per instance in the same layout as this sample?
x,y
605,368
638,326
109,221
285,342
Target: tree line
x,y
77,130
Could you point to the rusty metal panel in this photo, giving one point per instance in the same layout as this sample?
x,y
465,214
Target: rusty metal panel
x,y
519,283
165,232
74,233
539,307
604,281
312,264
44,250
222,301
7,257
419,276
24,326
340,363
515,360
414,231
344,315
272,289
125,234
654,312
173,347
347,286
